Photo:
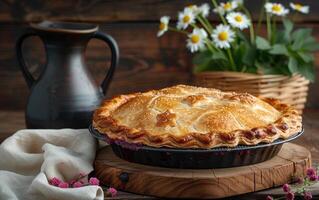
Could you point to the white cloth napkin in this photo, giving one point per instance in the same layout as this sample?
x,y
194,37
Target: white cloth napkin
x,y
29,158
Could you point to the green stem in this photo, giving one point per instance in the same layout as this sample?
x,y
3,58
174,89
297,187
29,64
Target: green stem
x,y
251,27
261,15
220,15
193,25
204,24
232,63
209,45
208,23
177,30
274,30
268,21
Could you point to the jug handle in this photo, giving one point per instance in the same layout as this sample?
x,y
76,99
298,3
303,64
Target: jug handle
x,y
26,73
114,57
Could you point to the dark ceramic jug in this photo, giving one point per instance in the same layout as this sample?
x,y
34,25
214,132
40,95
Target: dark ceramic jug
x,y
65,94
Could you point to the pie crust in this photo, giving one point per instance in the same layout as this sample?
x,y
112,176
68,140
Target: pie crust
x,y
193,117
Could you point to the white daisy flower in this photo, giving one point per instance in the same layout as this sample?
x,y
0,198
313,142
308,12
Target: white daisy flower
x,y
238,20
276,9
226,7
239,2
185,18
219,10
196,40
192,7
204,9
229,6
223,36
163,26
300,8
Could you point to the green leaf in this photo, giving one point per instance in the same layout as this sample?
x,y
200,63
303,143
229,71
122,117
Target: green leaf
x,y
279,49
306,57
288,25
238,53
266,69
293,65
249,56
202,57
262,43
242,36
308,71
219,55
299,37
310,44
286,35
202,67
281,37
208,61
311,47
301,34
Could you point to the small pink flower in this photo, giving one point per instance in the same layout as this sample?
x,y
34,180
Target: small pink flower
x,y
313,177
269,198
286,188
77,184
112,192
63,185
307,196
311,172
94,181
72,182
55,181
299,180
290,196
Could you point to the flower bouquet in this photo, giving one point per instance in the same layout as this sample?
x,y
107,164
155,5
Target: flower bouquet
x,y
236,56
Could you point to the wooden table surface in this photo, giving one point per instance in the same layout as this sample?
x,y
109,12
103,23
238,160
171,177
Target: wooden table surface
x,y
11,121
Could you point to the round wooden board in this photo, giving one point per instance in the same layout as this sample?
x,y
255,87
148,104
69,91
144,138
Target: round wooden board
x,y
291,161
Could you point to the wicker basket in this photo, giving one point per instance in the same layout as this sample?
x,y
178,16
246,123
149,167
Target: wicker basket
x,y
291,90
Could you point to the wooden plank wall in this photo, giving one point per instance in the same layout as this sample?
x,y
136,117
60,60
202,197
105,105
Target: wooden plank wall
x,y
146,61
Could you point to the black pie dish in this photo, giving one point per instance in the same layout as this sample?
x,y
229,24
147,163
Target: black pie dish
x,y
223,157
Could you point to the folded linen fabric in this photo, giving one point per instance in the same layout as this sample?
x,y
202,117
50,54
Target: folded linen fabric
x,y
30,158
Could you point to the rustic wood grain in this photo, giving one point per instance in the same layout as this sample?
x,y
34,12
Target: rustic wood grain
x,y
11,121
214,183
146,62
120,10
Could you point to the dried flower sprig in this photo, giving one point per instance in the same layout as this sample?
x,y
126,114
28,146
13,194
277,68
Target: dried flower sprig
x,y
300,188
80,182
111,192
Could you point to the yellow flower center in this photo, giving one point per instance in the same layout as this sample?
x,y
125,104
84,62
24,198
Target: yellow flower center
x,y
239,18
223,36
227,6
191,6
186,19
162,26
195,39
298,6
276,8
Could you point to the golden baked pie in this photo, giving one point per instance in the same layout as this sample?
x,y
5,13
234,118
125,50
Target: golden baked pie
x,y
192,117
